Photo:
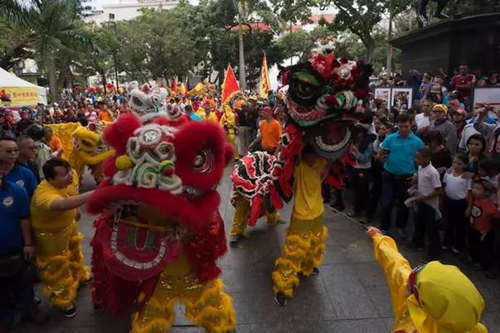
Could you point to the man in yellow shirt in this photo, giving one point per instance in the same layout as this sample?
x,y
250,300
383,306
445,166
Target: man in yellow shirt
x,y
305,238
53,217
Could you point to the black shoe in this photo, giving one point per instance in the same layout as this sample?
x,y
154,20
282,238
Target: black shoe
x,y
315,271
37,301
70,311
280,299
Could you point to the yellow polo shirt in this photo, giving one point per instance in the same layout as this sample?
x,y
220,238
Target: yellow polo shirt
x,y
308,203
45,220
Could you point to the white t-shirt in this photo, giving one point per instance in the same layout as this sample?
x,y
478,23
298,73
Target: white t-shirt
x,y
428,181
456,186
422,121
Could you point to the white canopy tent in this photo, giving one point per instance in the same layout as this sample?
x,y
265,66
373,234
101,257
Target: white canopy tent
x,y
14,85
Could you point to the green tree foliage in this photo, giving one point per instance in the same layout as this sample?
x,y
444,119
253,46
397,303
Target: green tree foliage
x,y
48,28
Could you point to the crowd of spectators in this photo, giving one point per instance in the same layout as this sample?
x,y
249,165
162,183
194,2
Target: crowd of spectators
x,y
435,164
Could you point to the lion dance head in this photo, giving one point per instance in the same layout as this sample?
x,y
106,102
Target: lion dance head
x,y
159,201
321,110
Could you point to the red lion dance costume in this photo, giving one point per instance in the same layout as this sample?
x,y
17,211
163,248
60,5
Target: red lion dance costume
x,y
159,232
321,102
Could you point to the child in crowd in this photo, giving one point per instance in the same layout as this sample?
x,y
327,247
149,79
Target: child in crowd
x,y
441,157
426,204
456,196
481,230
487,170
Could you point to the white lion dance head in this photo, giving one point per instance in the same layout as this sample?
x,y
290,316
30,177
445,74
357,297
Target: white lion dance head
x,y
147,103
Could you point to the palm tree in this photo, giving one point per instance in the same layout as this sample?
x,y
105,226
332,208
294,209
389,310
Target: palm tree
x,y
51,27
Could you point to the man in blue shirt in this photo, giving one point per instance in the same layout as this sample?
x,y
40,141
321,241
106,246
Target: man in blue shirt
x,y
398,151
27,155
189,111
16,239
14,173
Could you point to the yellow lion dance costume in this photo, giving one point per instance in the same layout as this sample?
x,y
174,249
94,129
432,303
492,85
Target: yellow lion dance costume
x,y
83,147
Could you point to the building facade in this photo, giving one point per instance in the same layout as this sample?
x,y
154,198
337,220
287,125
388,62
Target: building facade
x,y
127,9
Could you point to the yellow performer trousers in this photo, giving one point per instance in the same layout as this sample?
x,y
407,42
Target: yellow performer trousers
x,y
207,305
303,251
231,138
242,213
60,262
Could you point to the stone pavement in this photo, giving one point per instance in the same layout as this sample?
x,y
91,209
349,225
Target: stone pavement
x,y
349,294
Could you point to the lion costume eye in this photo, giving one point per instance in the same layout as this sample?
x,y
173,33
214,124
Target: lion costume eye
x,y
203,162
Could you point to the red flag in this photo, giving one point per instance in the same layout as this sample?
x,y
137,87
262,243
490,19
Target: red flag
x,y
174,84
230,85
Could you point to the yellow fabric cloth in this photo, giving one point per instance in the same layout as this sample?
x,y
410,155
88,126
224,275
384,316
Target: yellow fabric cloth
x,y
242,213
207,305
42,218
201,112
60,263
303,251
308,203
449,302
212,117
60,258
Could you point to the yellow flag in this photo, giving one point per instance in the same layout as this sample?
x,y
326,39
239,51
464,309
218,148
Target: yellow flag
x,y
265,85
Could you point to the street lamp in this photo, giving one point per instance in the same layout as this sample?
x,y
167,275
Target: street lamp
x,y
112,24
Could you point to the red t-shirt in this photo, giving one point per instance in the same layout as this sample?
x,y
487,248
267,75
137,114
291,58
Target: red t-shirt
x,y
461,80
482,214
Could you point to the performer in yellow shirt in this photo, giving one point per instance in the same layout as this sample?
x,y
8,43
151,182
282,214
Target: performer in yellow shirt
x,y
305,238
201,112
228,121
433,298
53,214
211,115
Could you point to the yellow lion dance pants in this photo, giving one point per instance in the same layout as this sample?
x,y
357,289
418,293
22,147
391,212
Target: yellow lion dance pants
x,y
242,213
60,262
207,305
303,251
231,139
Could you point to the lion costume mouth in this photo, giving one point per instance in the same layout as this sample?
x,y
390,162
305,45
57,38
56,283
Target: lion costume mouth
x,y
138,241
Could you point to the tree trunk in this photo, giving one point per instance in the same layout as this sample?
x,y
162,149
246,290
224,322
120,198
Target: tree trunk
x,y
369,44
53,85
241,66
389,45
